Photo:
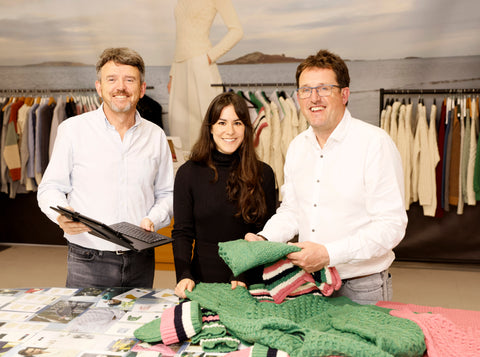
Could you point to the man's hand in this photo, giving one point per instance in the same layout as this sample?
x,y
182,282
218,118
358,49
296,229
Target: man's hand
x,y
184,284
313,256
71,227
253,237
147,224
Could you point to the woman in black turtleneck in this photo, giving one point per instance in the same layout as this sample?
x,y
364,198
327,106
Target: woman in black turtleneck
x,y
221,193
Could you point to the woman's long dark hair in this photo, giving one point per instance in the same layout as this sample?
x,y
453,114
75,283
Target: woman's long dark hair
x,y
244,183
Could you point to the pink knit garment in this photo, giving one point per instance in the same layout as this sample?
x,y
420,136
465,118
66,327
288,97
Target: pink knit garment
x,y
442,337
461,318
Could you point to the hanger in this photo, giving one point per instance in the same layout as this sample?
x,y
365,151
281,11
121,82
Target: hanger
x,y
264,95
29,101
258,105
10,100
242,94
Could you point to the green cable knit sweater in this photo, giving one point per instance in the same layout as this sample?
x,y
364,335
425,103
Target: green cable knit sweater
x,y
311,325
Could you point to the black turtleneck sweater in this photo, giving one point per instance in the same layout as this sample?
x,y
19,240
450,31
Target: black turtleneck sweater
x,y
204,216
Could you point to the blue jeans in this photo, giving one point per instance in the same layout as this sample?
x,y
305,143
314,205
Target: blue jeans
x,y
96,268
367,290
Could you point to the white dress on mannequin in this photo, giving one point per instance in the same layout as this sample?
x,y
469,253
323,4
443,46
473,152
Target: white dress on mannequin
x,y
191,74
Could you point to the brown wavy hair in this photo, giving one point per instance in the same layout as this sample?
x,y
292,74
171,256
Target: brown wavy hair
x,y
244,185
326,59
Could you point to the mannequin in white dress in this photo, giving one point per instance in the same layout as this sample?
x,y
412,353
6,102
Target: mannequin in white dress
x,y
194,66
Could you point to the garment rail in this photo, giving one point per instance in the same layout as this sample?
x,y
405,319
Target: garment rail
x,y
227,85
383,92
50,90
424,232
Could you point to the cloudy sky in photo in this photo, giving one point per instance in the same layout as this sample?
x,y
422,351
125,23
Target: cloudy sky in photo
x,y
34,31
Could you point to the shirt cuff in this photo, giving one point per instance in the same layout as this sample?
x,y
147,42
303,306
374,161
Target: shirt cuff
x,y
336,253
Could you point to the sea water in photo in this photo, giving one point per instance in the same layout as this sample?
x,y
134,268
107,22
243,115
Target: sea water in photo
x,y
366,78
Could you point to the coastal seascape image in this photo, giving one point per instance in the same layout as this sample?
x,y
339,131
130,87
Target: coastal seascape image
x,y
393,45
367,77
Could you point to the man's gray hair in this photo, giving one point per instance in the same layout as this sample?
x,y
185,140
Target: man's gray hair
x,y
121,55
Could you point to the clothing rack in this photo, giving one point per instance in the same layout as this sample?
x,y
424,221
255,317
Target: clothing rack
x,y
423,232
252,84
383,92
50,90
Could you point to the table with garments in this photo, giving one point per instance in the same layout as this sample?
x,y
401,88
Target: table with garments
x,y
93,322
289,314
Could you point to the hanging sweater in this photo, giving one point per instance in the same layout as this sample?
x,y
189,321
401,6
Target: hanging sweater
x,y
204,216
11,153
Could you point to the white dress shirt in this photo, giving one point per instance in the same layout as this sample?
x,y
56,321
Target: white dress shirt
x,y
348,196
99,175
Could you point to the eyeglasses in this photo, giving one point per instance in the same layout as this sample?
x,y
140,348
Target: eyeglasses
x,y
324,90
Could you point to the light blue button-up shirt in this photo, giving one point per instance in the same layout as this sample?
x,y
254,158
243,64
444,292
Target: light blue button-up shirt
x,y
96,173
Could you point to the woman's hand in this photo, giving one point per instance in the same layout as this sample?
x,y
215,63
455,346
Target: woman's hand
x,y
184,284
251,237
236,283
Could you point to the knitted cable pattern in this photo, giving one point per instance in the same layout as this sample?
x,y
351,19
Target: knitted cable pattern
x,y
311,325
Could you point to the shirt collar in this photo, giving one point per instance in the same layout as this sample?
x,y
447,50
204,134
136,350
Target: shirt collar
x,y
341,130
338,133
138,118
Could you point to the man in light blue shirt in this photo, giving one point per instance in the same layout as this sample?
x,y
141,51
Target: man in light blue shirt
x,y
112,165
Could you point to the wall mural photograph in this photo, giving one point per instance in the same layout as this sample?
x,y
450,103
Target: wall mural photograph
x,y
398,53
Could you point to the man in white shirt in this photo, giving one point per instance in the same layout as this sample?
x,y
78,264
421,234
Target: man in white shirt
x,y
112,165
343,192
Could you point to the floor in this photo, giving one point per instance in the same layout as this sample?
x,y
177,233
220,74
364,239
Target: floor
x,y
432,284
